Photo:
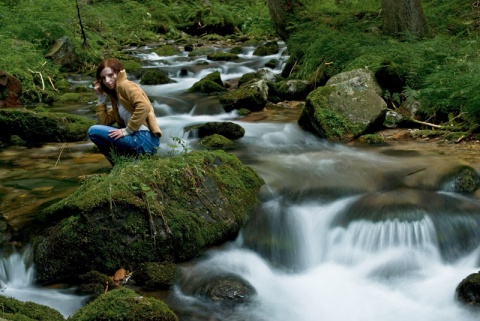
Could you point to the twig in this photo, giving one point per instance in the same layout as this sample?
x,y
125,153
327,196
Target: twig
x,y
41,77
51,83
60,155
426,124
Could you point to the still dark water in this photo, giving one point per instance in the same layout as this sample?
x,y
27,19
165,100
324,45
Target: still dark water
x,y
343,232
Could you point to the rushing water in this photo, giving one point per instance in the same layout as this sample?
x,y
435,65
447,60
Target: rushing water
x,y
343,232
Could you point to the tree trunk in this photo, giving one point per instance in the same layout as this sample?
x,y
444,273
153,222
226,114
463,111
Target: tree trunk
x,y
280,12
404,16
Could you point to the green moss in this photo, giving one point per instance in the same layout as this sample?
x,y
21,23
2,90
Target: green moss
x,y
131,65
156,274
40,126
13,309
202,51
372,139
166,50
70,97
215,141
209,84
222,56
124,304
151,211
154,77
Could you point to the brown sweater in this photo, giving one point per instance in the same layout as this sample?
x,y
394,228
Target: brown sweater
x,y
134,99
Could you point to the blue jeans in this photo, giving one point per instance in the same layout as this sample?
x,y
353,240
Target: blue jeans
x,y
140,142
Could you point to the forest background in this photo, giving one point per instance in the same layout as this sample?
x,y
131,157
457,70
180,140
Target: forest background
x,y
441,70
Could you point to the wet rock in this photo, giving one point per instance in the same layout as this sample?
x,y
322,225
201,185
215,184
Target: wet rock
x,y
124,304
40,126
251,95
155,77
349,105
63,53
157,275
13,309
155,210
10,90
269,48
211,83
215,141
227,129
468,291
291,89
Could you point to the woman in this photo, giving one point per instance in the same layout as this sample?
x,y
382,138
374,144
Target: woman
x,y
137,131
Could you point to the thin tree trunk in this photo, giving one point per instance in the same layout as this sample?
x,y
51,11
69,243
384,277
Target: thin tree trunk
x,y
84,36
404,16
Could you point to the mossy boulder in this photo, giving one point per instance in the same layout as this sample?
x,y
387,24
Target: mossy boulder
x,y
156,210
468,291
251,95
211,83
154,77
348,106
124,305
6,230
157,275
464,180
227,129
40,126
215,141
222,56
269,48
291,89
13,310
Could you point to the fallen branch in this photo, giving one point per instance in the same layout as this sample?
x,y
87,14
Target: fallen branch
x,y
51,83
426,124
41,77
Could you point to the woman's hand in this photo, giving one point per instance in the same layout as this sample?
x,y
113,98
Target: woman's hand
x,y
97,87
115,134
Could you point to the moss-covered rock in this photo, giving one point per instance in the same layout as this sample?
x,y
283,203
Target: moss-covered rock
x,y
348,106
251,95
468,291
124,305
465,180
211,83
152,211
270,48
371,139
227,129
222,56
15,310
156,275
94,282
215,141
291,89
154,77
43,126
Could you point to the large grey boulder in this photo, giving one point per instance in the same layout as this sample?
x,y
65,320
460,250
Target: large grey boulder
x,y
348,106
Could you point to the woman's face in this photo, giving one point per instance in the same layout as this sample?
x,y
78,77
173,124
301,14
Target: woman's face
x,y
109,78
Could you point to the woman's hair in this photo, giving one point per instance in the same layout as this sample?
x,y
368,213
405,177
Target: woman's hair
x,y
116,66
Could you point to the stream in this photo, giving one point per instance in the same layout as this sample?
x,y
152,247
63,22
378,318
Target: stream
x,y
344,232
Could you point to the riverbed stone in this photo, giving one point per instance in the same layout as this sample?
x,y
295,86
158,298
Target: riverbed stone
x,y
348,106
154,210
13,309
468,291
41,126
124,304
227,129
251,95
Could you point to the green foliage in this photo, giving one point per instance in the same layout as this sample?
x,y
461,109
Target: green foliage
x,y
15,310
441,72
29,28
125,304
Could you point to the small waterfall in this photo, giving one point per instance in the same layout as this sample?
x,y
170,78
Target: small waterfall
x,y
17,280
